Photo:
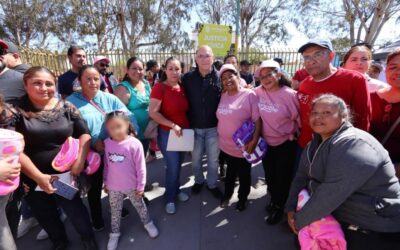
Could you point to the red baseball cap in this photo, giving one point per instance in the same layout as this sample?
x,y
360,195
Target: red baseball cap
x,y
3,44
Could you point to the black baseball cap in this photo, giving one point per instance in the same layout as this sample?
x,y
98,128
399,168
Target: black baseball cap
x,y
245,62
324,43
278,60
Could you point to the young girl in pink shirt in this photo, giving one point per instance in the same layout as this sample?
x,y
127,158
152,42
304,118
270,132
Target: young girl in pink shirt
x,y
279,111
124,174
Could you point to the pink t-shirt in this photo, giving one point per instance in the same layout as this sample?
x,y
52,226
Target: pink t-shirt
x,y
124,165
232,112
279,111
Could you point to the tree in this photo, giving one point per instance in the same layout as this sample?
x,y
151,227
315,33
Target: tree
x,y
360,20
152,23
213,11
25,21
98,19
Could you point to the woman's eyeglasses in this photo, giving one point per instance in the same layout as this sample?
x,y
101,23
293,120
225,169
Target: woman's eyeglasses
x,y
104,65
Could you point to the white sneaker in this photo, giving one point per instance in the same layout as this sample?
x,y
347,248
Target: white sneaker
x,y
25,225
113,241
42,235
151,229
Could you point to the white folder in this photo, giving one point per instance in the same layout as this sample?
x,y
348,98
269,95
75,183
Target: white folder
x,y
182,143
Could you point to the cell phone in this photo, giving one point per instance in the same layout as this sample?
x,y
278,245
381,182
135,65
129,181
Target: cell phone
x,y
65,190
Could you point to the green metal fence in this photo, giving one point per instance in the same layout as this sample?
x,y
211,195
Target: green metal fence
x,y
58,62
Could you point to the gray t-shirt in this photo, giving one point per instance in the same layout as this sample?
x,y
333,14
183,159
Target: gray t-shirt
x,y
11,86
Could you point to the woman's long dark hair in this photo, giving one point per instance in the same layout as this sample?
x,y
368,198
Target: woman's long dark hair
x,y
164,75
128,65
122,115
284,81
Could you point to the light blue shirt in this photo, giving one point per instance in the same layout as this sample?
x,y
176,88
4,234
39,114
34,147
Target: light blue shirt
x,y
93,117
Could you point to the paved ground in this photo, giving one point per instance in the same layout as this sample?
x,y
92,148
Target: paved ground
x,y
199,224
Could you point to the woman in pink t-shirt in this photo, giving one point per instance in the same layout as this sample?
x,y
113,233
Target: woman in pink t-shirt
x,y
279,111
237,105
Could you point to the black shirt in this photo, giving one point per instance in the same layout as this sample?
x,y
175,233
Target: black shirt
x,y
45,131
11,86
67,80
248,77
203,94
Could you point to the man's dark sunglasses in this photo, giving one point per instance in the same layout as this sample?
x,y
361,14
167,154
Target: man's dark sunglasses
x,y
104,65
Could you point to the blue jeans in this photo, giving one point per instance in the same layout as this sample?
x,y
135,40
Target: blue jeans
x,y
173,161
206,141
6,238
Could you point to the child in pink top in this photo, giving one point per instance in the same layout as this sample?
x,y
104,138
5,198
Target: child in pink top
x,y
124,174
236,106
279,111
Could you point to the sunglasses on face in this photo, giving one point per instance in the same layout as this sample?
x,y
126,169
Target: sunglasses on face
x,y
104,65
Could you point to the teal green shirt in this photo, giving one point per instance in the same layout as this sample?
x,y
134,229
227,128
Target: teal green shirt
x,y
139,105
93,117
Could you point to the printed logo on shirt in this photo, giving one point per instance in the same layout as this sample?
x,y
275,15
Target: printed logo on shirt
x,y
303,98
269,107
224,110
116,158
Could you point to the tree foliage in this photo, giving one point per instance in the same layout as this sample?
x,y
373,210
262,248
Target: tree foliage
x,y
108,24
359,20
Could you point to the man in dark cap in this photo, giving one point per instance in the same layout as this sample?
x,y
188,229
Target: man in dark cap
x,y
324,78
11,84
13,58
245,72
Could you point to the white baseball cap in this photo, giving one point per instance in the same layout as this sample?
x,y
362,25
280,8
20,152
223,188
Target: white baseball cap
x,y
227,67
267,64
101,58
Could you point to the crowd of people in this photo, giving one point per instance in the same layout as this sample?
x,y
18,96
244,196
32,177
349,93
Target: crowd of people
x,y
332,131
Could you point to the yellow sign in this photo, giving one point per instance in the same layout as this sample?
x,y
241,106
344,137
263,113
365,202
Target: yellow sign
x,y
218,37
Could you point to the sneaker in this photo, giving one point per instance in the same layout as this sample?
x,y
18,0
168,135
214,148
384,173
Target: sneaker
x,y
170,208
216,193
26,225
183,196
241,206
124,213
151,229
42,235
113,241
196,188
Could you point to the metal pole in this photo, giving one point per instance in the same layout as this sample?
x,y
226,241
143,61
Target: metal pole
x,y
237,26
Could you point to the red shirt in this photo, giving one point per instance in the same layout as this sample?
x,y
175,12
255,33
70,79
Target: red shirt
x,y
349,85
300,75
174,104
384,114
